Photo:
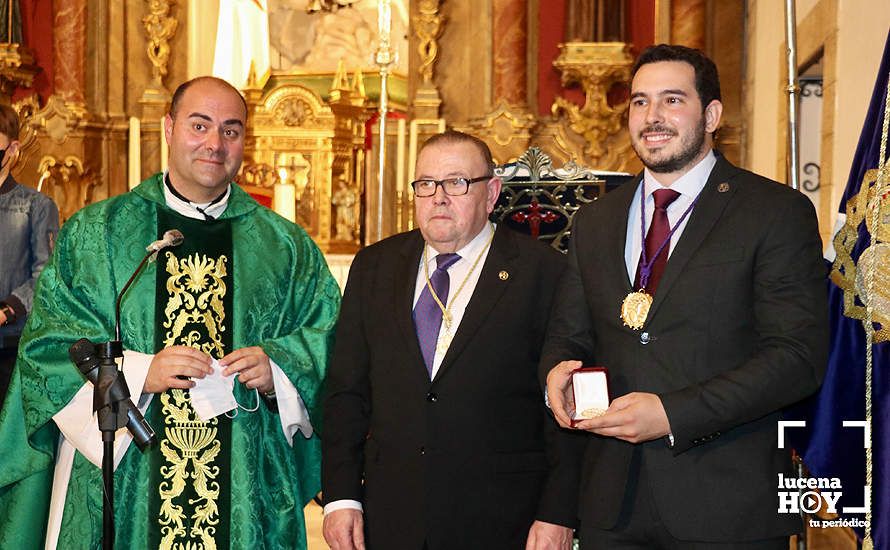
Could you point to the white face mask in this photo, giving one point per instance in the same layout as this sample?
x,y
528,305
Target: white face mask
x,y
212,395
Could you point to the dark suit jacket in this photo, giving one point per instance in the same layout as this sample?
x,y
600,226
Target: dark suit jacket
x,y
738,329
460,462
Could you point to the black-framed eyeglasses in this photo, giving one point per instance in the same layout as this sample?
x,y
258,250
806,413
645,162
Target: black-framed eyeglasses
x,y
451,186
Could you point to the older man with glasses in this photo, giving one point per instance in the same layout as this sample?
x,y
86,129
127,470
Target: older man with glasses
x,y
436,434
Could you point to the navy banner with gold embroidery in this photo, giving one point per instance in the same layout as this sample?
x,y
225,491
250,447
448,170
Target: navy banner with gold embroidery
x,y
830,449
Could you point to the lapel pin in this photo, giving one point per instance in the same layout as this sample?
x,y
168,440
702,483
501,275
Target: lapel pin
x,y
503,275
723,187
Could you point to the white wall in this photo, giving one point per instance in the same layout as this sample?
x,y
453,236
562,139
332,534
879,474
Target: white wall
x,y
862,31
862,27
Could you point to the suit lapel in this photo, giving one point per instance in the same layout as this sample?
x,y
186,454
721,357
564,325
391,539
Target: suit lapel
x,y
616,233
405,280
710,207
489,290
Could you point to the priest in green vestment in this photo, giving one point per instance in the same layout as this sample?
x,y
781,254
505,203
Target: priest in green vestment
x,y
246,300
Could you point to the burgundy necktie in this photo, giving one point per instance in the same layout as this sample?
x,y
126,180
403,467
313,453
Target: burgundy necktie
x,y
659,231
428,314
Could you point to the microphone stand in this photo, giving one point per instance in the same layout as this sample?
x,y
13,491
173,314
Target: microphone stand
x,y
108,392
110,389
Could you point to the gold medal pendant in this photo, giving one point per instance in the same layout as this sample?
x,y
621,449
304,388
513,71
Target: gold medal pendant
x,y
635,309
444,342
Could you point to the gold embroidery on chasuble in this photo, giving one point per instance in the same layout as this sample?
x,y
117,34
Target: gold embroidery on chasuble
x,y
196,289
194,316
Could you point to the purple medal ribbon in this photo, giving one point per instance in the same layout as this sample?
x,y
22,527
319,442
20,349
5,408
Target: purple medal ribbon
x,y
647,263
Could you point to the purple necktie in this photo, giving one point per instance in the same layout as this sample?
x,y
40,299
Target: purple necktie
x,y
428,314
659,231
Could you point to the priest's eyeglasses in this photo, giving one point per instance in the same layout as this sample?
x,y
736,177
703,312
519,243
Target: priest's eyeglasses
x,y
451,186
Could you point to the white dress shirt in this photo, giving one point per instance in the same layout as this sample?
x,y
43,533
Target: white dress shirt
x,y
457,273
689,185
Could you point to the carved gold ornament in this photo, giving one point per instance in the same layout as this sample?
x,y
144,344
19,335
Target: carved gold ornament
x,y
292,112
427,27
160,28
66,182
17,68
597,66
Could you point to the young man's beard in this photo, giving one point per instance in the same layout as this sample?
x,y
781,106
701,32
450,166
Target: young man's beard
x,y
690,149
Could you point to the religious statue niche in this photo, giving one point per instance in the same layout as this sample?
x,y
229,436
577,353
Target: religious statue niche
x,y
297,141
345,200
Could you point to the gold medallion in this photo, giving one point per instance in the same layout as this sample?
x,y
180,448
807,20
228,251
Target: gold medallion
x,y
444,342
592,412
635,309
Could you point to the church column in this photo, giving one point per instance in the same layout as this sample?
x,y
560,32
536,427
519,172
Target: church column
x,y
688,23
507,127
509,36
69,46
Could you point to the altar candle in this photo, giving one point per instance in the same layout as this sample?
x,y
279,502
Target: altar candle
x,y
284,202
164,152
134,159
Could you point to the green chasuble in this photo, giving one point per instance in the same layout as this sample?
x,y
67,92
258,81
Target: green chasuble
x,y
278,294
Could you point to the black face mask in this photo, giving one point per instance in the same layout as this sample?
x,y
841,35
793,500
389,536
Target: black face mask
x,y
3,156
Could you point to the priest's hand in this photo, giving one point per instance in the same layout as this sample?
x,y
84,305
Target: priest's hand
x,y
559,392
635,418
169,364
549,536
253,368
344,529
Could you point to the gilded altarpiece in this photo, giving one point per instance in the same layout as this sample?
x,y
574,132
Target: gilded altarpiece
x,y
315,145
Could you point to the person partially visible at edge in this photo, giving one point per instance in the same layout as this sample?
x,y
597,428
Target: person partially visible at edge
x,y
247,293
701,288
29,222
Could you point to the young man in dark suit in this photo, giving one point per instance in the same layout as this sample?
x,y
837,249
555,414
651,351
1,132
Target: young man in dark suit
x,y
700,287
435,431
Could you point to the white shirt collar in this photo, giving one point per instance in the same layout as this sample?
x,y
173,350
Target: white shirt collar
x,y
190,209
469,250
689,184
